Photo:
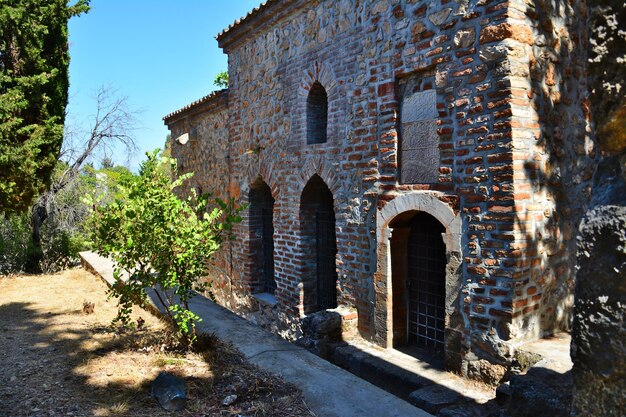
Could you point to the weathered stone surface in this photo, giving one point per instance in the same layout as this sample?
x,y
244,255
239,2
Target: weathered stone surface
x,y
503,31
322,324
541,392
439,17
465,38
433,398
599,336
419,106
483,370
493,52
609,185
465,410
169,391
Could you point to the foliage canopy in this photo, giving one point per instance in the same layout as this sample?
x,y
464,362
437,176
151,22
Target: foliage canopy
x,y
221,80
161,242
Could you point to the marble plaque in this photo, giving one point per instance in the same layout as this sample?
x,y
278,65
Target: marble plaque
x,y
419,106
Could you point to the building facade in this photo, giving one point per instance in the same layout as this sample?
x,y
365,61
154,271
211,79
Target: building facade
x,y
422,165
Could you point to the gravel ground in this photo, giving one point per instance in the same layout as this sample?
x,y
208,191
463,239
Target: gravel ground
x,y
58,360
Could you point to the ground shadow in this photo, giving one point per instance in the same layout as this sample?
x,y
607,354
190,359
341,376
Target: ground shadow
x,y
43,372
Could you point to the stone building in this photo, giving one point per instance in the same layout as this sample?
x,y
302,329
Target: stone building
x,y
422,165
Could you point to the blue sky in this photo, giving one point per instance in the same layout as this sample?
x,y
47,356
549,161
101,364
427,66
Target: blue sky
x,y
160,54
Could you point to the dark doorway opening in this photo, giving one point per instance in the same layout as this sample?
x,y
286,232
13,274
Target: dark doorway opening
x,y
262,237
418,282
319,246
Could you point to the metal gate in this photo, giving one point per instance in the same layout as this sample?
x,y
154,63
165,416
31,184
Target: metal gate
x,y
426,284
326,248
269,282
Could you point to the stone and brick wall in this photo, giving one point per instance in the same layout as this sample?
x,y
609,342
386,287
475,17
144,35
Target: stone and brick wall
x,y
472,111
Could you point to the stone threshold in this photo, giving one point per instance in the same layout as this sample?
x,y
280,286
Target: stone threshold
x,y
420,381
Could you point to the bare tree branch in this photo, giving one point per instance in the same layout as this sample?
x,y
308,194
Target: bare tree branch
x,y
113,125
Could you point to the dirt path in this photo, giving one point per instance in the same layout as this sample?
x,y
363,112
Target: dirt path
x,y
56,360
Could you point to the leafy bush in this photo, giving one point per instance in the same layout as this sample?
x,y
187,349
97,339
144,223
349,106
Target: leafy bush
x,y
64,230
160,241
15,244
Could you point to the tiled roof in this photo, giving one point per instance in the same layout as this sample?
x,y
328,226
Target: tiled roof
x,y
203,100
250,14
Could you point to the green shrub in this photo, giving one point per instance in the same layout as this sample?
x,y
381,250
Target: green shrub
x,y
15,243
161,241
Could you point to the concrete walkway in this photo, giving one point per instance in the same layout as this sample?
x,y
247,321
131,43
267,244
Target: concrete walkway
x,y
329,391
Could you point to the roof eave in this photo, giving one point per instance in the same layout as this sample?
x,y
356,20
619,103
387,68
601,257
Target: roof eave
x,y
269,11
214,99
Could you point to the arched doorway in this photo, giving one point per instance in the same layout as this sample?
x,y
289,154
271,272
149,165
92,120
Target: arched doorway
x,y
418,260
319,246
262,236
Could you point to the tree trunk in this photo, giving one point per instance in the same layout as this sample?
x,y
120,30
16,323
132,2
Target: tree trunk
x,y
39,214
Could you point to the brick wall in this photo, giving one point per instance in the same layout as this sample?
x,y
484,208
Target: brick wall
x,y
487,98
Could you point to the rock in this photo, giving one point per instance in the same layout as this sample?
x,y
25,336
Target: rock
x,y
439,17
169,391
322,324
88,307
433,398
320,329
609,184
541,392
483,370
493,52
598,337
229,399
488,345
465,38
503,393
523,361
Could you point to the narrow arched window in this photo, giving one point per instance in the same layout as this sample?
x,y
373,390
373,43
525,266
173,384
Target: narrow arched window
x,y
316,114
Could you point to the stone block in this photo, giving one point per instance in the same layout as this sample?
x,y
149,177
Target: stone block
x,y
541,392
419,106
420,134
420,166
433,398
598,338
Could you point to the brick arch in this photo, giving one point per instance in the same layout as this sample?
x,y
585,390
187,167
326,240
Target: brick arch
x,y
321,73
264,170
403,205
317,165
428,203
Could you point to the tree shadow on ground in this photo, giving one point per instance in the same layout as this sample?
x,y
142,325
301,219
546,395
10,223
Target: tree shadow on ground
x,y
51,369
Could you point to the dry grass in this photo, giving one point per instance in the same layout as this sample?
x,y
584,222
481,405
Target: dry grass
x,y
59,360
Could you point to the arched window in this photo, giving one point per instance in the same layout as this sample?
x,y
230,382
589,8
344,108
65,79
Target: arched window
x,y
316,114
